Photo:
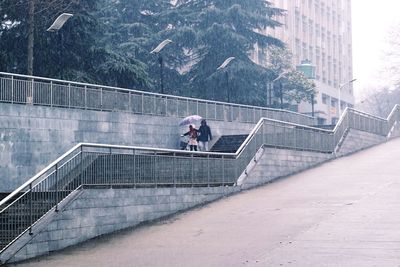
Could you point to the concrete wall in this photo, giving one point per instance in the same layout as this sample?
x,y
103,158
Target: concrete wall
x,y
102,211
275,163
357,140
31,137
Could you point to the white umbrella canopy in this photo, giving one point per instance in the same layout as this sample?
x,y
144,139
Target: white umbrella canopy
x,y
190,120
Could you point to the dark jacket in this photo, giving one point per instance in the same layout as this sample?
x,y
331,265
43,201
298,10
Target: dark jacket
x,y
193,133
205,132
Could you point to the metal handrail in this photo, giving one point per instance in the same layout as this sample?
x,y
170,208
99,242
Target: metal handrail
x,y
235,163
151,93
38,175
241,148
150,149
293,116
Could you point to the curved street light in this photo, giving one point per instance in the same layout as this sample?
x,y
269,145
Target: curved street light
x,y
225,63
223,66
157,51
56,27
59,22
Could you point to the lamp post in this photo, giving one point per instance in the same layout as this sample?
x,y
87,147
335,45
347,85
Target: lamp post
x,y
312,104
221,67
340,91
308,69
280,76
56,27
312,101
157,51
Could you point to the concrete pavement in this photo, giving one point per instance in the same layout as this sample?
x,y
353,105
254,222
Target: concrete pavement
x,y
343,213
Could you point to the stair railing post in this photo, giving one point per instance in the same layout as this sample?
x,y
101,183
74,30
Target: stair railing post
x,y
134,168
101,99
208,170
110,167
56,174
155,176
192,168
30,209
166,107
86,105
173,169
142,99
223,170
12,89
51,93
231,111
262,133
81,156
69,95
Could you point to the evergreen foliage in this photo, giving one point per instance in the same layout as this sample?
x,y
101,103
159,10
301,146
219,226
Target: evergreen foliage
x,y
109,42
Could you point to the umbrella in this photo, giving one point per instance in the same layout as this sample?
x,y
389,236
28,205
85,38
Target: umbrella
x,y
190,119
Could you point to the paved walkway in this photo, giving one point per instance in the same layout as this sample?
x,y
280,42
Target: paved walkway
x,y
343,213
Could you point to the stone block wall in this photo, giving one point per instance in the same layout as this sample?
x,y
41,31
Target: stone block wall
x,y
275,163
31,137
97,212
357,140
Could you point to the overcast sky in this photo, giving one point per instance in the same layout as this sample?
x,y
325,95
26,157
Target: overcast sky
x,y
372,21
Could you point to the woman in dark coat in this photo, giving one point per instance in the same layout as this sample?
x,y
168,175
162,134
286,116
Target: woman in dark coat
x,y
205,136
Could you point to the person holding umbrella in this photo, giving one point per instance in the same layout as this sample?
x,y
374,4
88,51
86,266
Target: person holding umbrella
x,y
192,133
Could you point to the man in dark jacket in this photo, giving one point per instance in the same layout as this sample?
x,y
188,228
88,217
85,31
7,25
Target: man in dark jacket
x,y
205,136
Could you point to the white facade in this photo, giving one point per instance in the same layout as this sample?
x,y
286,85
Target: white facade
x,y
321,31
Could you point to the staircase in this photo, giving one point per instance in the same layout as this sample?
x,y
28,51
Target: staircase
x,y
29,208
229,143
110,165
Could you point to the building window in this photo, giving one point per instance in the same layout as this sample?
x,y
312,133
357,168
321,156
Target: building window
x,y
324,98
297,20
311,54
305,52
304,21
298,47
333,102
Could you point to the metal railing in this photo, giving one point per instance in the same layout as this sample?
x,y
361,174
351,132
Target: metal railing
x,y
23,89
121,166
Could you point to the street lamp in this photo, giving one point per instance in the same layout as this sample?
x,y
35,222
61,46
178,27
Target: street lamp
x,y
223,66
280,76
308,69
56,27
340,91
157,51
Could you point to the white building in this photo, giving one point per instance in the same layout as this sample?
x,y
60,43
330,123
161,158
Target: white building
x,y
321,31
